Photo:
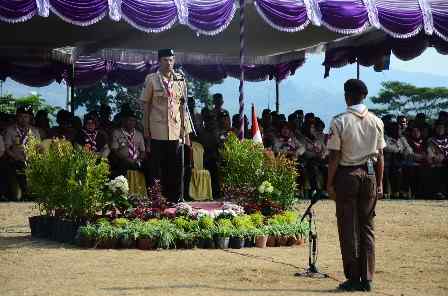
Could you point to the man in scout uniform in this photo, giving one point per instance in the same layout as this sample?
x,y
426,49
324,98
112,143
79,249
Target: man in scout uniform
x,y
163,96
355,174
16,137
91,138
127,145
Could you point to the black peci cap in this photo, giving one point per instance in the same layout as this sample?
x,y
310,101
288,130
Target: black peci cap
x,y
166,52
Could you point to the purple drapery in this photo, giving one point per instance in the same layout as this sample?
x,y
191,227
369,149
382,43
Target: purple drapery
x,y
90,70
399,18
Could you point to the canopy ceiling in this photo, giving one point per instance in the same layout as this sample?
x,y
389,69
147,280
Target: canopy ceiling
x,y
119,28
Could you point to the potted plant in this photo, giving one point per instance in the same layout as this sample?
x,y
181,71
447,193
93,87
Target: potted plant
x,y
237,238
224,228
261,237
147,236
206,229
166,234
106,237
87,235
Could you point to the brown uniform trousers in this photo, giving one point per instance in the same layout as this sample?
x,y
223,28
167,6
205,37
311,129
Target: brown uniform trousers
x,y
355,210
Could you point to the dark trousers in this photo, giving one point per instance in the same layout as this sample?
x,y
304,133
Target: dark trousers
x,y
212,166
355,211
17,185
166,166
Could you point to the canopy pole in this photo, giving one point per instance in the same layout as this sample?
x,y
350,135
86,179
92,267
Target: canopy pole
x,y
242,54
72,91
67,99
277,96
357,69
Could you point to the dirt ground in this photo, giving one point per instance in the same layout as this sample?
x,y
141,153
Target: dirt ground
x,y
412,259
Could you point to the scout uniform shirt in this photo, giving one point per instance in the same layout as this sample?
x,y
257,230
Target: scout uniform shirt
x,y
129,146
162,112
358,134
16,139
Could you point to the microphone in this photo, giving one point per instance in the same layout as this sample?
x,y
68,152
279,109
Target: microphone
x,y
315,197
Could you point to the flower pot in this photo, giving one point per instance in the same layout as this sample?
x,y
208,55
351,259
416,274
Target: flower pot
x,y
282,241
260,241
67,231
127,243
86,242
236,242
222,242
146,244
271,241
35,225
300,242
291,241
45,226
109,243
249,242
206,243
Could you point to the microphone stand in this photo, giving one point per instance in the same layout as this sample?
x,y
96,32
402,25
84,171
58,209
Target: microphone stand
x,y
184,111
312,271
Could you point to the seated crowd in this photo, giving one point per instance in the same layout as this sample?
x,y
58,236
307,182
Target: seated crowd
x,y
416,156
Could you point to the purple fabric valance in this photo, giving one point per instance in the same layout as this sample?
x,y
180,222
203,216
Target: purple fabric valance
x,y
88,71
399,18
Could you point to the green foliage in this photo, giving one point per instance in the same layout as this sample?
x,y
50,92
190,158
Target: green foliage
x,y
224,227
206,222
66,178
88,231
105,92
8,103
246,165
146,230
200,90
403,98
243,222
242,162
257,219
167,234
120,222
105,232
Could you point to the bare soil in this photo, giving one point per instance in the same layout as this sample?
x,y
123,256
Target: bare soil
x,y
412,259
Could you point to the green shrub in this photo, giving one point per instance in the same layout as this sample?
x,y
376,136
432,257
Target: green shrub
x,y
66,178
257,219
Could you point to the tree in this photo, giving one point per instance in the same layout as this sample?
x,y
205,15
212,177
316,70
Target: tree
x,y
200,90
105,92
403,98
8,103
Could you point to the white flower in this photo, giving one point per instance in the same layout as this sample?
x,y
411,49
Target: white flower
x,y
269,189
261,188
184,209
120,183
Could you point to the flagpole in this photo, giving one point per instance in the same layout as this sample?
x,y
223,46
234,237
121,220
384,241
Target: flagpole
x,y
277,96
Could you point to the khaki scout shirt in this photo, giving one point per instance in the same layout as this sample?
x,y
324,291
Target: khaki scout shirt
x,y
120,144
12,141
358,135
162,115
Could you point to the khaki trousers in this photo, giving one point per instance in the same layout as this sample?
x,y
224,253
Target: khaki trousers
x,y
355,209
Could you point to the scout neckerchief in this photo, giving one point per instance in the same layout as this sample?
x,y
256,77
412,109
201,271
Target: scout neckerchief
x,y
90,139
132,149
23,135
167,84
441,143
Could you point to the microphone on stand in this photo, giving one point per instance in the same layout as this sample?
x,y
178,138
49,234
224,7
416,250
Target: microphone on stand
x,y
315,197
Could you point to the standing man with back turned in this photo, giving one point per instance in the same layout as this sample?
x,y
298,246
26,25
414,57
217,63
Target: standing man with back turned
x,y
163,96
355,174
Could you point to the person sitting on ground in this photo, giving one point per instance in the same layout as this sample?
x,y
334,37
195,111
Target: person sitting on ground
x,y
65,126
127,145
91,138
16,137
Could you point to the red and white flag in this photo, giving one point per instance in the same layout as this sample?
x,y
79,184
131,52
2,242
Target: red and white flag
x,y
256,134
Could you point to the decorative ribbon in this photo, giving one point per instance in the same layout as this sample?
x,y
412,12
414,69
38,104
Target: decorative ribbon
x,y
132,149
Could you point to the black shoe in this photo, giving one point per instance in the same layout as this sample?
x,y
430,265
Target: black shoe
x,y
365,286
349,286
